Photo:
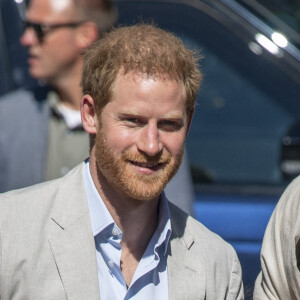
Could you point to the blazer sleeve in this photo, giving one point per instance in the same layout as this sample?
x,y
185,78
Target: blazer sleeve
x,y
279,277
0,267
236,290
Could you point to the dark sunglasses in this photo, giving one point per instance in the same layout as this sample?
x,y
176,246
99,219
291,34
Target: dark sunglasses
x,y
41,29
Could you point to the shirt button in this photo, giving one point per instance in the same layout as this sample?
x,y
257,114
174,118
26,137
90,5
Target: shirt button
x,y
115,232
110,263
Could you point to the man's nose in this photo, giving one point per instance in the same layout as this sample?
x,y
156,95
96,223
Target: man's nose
x,y
149,140
28,38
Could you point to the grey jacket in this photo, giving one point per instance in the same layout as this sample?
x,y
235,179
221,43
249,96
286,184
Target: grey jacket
x,y
23,138
47,248
279,278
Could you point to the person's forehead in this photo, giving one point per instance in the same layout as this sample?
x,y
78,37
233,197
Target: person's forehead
x,y
138,77
59,6
134,85
50,10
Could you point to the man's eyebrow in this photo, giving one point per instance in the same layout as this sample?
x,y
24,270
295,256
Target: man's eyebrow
x,y
129,112
168,115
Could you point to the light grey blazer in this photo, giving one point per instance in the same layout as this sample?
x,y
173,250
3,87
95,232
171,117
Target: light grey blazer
x,y
48,251
280,255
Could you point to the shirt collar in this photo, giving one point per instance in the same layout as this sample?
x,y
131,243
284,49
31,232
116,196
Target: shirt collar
x,y
163,231
71,117
101,218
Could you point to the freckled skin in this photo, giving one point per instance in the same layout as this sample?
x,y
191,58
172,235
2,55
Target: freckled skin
x,y
139,143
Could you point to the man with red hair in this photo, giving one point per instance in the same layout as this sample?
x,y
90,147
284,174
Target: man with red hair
x,y
106,230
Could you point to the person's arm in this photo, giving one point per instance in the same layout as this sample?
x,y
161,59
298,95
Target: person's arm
x,y
235,289
279,277
0,267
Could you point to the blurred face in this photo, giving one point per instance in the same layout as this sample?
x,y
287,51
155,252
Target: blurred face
x,y
139,142
58,52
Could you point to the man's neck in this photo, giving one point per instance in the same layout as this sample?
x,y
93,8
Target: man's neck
x,y
67,87
138,229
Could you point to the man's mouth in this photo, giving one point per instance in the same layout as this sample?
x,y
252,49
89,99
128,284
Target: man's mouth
x,y
32,58
154,166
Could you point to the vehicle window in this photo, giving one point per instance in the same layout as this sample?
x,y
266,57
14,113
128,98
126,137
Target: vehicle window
x,y
286,10
238,125
283,15
245,106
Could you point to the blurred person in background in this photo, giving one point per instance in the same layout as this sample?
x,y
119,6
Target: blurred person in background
x,y
45,121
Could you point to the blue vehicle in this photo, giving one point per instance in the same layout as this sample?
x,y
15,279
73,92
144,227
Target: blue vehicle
x,y
243,145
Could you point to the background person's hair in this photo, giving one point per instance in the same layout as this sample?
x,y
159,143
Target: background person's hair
x,y
142,49
101,12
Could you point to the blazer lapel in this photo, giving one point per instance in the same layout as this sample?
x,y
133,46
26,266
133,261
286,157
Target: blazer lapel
x,y
72,242
186,271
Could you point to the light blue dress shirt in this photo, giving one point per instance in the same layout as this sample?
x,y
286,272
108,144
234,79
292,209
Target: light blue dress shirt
x,y
150,280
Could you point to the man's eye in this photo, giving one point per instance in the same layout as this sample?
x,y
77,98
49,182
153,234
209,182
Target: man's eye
x,y
133,121
170,125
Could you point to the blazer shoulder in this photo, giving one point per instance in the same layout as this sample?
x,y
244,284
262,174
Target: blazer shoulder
x,y
27,203
197,244
288,208
40,199
279,276
25,214
185,225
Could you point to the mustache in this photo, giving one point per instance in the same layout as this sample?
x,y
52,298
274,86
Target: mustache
x,y
163,157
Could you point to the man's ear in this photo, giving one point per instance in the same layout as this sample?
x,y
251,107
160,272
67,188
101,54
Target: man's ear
x,y
190,117
87,34
88,114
